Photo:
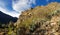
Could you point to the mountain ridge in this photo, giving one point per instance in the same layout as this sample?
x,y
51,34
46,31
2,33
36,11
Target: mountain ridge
x,y
5,18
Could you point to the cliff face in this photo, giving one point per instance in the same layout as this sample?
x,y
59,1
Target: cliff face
x,y
41,20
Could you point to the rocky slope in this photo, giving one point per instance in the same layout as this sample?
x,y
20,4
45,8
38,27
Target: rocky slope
x,y
41,20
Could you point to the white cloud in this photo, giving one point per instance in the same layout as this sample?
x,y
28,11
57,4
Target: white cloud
x,y
18,6
12,13
21,5
4,9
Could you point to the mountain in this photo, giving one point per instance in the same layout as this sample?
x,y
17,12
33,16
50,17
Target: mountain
x,y
4,18
41,20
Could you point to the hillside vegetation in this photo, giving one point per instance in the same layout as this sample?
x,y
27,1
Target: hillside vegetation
x,y
41,20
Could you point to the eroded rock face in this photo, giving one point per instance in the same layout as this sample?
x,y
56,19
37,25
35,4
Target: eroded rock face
x,y
42,20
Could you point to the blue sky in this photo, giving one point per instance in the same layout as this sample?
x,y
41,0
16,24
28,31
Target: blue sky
x,y
15,7
8,4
